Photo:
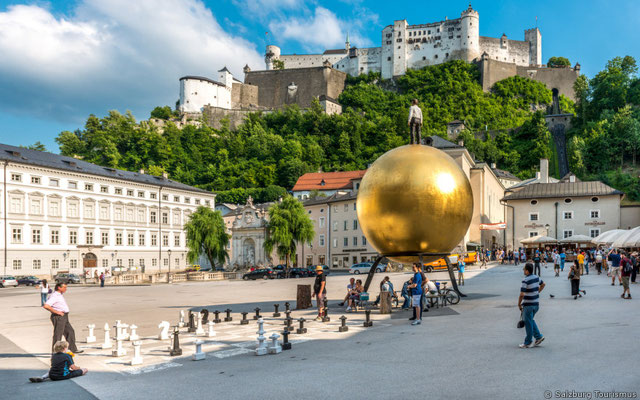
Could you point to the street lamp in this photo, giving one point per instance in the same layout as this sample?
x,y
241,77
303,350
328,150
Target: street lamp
x,y
547,226
169,253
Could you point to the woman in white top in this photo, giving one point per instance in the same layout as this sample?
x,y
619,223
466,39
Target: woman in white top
x,y
44,291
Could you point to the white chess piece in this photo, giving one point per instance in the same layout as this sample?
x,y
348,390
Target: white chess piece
x,y
123,331
275,347
198,355
107,338
199,328
212,333
181,323
134,335
164,330
137,357
119,351
261,350
91,338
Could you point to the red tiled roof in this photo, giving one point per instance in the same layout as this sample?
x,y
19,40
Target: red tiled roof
x,y
332,180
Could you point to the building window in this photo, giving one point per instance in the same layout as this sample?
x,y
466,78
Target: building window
x,y
321,222
131,263
533,216
16,178
176,218
117,214
176,240
72,210
37,264
88,187
567,233
364,241
165,218
73,237
130,214
595,213
165,197
36,180
154,239
36,236
177,261
355,224
197,201
73,185
354,206
105,238
335,226
140,215
73,264
176,198
165,240
567,215
119,262
567,201
321,240
152,217
534,202
207,203
346,207
36,206
335,242
187,200
165,261
141,194
54,182
89,237
104,212
118,239
16,205
104,189
105,263
54,208
141,239
594,232
16,235
594,199
344,228
17,265
129,239
346,241
118,191
55,264
153,196
88,211
55,236
130,192
533,233
142,262
355,240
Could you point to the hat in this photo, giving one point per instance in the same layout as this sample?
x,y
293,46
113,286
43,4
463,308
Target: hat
x,y
318,267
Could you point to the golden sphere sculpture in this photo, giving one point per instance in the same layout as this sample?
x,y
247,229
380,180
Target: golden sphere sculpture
x,y
414,198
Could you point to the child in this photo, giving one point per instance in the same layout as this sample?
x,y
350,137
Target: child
x,y
62,366
461,271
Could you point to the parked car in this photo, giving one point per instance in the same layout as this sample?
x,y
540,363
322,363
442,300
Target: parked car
x,y
363,268
193,268
441,264
293,272
311,270
8,280
67,278
28,280
264,273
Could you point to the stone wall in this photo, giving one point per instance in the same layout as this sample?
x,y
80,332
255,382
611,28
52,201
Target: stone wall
x,y
300,86
243,95
214,116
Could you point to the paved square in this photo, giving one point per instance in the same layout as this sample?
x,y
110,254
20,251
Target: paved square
x,y
466,351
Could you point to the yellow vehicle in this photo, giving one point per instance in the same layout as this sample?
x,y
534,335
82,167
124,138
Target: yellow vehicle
x,y
469,258
193,268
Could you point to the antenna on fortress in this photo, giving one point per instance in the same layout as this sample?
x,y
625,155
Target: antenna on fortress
x,y
536,21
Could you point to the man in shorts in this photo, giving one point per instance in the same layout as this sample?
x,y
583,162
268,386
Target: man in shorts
x,y
320,290
615,266
626,268
416,295
556,262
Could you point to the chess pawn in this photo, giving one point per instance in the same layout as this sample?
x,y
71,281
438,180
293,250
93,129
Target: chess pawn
x,y
181,323
275,347
91,338
261,350
134,335
198,355
137,357
107,338
199,329
211,333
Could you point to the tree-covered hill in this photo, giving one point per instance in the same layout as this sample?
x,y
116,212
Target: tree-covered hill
x,y
268,153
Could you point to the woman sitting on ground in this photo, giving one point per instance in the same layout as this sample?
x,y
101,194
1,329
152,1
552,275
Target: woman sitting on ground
x,y
354,297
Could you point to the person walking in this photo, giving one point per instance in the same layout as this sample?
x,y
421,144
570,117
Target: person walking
x,y
615,266
574,277
556,262
599,261
405,294
563,258
415,122
102,279
44,292
634,261
528,303
57,306
580,258
416,295
626,270
516,256
320,290
536,263
461,271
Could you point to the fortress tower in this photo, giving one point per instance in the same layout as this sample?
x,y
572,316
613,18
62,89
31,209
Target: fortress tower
x,y
272,53
470,34
534,38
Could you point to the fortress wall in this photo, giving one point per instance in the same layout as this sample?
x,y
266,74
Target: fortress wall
x,y
558,78
243,95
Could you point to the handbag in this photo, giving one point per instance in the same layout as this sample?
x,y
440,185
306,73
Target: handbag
x,y
520,324
50,291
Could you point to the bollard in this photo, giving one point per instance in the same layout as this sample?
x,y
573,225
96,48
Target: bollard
x,y
325,311
198,355
228,317
276,314
257,316
205,316
287,324
192,323
217,317
286,307
244,320
285,340
343,327
302,329
288,316
367,322
176,350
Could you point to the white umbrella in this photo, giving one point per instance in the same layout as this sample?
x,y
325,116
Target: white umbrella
x,y
539,239
627,238
608,237
576,239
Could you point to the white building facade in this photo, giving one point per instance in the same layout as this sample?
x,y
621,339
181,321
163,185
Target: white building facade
x,y
60,214
198,91
405,46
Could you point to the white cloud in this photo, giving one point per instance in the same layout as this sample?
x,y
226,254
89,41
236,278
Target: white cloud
x,y
110,54
261,7
321,31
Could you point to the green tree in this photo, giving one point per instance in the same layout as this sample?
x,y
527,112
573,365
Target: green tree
x,y
206,234
289,224
162,113
278,64
558,62
36,146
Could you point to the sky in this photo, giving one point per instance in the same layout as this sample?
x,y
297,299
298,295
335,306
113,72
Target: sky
x,y
61,61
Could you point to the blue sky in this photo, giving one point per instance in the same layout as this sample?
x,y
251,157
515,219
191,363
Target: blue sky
x,y
63,60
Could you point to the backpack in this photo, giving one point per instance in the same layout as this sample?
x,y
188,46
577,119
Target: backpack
x,y
626,266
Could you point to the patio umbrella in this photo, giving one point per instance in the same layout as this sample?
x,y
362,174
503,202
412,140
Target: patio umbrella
x,y
627,238
539,239
577,239
608,237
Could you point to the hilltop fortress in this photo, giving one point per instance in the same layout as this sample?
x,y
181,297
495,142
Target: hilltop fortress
x,y
299,78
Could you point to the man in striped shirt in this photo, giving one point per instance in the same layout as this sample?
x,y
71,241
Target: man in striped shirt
x,y
532,285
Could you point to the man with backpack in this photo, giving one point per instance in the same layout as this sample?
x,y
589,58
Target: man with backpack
x,y
416,295
626,268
